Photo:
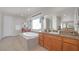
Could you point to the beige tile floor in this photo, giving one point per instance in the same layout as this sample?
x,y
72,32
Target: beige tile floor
x,y
14,44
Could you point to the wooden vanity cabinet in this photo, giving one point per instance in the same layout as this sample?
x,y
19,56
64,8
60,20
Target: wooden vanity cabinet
x,y
58,43
70,44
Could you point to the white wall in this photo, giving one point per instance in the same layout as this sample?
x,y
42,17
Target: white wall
x,y
0,27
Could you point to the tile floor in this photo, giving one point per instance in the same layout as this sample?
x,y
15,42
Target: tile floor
x,y
14,44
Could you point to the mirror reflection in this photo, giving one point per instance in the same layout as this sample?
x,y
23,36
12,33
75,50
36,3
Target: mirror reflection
x,y
66,21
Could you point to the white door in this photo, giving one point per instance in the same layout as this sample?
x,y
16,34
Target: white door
x,y
8,26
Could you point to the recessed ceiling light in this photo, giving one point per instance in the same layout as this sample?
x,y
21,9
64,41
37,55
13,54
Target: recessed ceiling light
x,y
64,14
28,9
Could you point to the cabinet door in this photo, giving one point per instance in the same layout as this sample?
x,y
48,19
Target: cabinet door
x,y
41,39
78,44
70,44
56,43
69,47
47,41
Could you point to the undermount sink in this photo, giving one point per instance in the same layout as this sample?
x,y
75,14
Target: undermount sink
x,y
54,32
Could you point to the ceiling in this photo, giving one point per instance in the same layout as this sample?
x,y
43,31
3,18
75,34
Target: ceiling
x,y
21,11
28,11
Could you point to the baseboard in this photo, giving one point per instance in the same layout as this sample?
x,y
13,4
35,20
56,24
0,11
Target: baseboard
x,y
6,37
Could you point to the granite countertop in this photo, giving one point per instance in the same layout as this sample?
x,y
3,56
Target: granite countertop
x,y
70,36
63,35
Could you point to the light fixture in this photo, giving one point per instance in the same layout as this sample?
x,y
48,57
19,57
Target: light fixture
x,y
28,9
64,14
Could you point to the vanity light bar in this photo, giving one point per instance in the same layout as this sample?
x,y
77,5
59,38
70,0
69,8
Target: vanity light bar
x,y
36,14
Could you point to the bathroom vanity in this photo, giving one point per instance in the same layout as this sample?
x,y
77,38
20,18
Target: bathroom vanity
x,y
58,42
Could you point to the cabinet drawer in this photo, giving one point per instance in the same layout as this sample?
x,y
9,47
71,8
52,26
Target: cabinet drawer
x,y
40,37
69,40
56,37
40,34
69,47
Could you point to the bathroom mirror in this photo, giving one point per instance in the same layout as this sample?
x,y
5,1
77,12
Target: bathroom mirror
x,y
68,24
52,23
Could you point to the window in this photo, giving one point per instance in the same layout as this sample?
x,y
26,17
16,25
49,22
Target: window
x,y
36,24
18,27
